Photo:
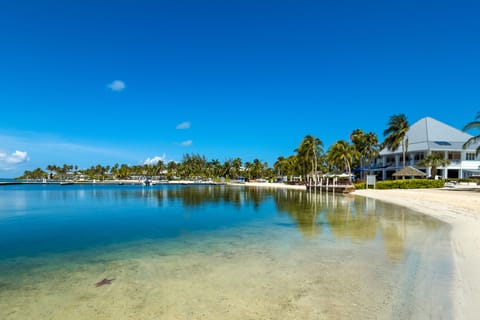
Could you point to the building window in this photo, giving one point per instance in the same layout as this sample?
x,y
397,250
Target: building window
x,y
419,156
470,156
455,156
443,143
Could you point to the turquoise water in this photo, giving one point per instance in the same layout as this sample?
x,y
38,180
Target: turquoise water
x,y
189,252
39,219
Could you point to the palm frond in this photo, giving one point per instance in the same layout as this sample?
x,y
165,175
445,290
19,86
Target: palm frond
x,y
472,125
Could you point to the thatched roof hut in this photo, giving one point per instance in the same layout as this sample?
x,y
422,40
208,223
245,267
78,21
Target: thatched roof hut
x,y
409,172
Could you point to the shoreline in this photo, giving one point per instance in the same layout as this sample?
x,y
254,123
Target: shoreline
x,y
458,207
461,210
159,182
270,185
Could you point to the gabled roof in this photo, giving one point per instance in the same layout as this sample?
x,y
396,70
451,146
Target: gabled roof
x,y
430,134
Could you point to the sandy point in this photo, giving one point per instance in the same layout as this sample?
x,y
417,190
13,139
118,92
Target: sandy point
x,y
461,209
269,185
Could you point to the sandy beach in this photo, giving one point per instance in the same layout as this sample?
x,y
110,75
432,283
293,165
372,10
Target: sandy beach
x,y
271,185
241,271
461,209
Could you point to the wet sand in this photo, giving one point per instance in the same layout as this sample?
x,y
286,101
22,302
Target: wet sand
x,y
461,209
249,272
327,257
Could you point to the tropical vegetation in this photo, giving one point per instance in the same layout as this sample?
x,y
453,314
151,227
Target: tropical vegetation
x,y
396,134
475,124
368,148
309,159
405,184
434,161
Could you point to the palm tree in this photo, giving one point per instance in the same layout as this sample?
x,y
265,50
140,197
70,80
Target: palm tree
x,y
172,168
473,125
54,170
236,166
341,155
279,166
215,168
434,161
227,168
293,168
248,169
367,146
114,170
308,151
396,134
258,168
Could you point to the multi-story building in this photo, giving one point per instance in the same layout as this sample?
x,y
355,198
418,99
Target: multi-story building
x,y
428,136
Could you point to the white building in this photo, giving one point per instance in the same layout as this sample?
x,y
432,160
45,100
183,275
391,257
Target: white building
x,y
428,136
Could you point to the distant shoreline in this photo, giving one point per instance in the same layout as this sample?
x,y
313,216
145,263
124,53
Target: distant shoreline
x,y
159,182
458,207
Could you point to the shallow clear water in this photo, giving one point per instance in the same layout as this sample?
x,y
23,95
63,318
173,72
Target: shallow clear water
x,y
204,252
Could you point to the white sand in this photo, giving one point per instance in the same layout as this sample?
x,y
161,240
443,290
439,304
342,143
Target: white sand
x,y
233,279
461,209
272,185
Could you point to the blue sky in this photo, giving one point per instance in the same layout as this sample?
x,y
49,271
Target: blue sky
x,y
87,82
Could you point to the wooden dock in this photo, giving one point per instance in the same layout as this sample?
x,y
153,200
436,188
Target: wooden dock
x,y
339,183
9,183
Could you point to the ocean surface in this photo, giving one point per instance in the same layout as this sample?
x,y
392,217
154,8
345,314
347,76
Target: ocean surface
x,y
217,252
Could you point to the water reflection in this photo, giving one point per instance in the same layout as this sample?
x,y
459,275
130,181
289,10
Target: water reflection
x,y
131,212
273,253
343,217
192,196
354,218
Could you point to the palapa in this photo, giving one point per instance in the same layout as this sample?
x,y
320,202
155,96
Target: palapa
x,y
409,172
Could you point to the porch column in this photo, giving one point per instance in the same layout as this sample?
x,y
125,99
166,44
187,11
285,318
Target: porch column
x,y
445,169
384,171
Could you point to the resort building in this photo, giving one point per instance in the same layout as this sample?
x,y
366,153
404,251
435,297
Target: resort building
x,y
428,136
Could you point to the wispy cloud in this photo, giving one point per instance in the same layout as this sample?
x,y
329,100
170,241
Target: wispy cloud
x,y
155,160
184,125
117,85
186,143
44,149
8,161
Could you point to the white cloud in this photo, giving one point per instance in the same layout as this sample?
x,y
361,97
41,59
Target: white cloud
x,y
117,85
183,125
186,143
9,160
155,160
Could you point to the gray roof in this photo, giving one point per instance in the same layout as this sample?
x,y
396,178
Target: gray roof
x,y
430,134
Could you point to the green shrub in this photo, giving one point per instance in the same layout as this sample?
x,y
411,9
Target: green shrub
x,y
405,184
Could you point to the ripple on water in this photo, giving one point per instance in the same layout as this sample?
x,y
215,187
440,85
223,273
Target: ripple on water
x,y
313,258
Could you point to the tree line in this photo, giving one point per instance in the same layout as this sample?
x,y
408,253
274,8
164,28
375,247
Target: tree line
x,y
309,158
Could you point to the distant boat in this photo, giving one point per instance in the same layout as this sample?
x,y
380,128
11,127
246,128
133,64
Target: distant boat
x,y
66,183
